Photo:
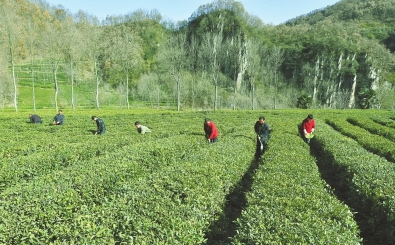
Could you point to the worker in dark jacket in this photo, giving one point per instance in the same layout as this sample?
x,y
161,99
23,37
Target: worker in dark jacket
x,y
35,118
59,118
101,128
262,132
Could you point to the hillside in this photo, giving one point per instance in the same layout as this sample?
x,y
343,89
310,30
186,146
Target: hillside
x,y
375,19
336,57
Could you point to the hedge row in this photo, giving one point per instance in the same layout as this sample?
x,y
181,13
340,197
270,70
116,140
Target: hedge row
x,y
366,179
154,192
373,143
289,202
373,127
385,121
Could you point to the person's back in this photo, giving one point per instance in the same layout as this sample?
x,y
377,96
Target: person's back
x,y
35,119
101,128
144,129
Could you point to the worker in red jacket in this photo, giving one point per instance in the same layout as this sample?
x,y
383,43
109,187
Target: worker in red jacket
x,y
308,127
210,131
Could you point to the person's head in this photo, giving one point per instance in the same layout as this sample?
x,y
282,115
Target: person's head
x,y
309,117
207,120
60,112
94,118
261,119
137,124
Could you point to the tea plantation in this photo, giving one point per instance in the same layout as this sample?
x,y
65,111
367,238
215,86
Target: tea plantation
x,y
64,185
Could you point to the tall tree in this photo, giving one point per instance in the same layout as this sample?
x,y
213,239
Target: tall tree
x,y
213,49
73,48
53,42
125,52
92,34
276,59
12,35
253,59
174,51
233,62
194,65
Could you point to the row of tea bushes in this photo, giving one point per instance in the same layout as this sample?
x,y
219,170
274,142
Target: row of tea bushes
x,y
372,142
385,121
373,127
153,192
366,179
57,207
289,202
24,167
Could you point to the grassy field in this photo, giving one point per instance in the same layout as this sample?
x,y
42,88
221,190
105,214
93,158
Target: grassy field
x,y
64,185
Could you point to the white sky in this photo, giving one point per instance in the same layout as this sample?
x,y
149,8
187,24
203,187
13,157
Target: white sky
x,y
269,11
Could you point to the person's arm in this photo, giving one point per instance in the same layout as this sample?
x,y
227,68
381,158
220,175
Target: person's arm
x,y
206,131
268,130
212,131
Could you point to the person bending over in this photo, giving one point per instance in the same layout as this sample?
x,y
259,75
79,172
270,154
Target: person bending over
x,y
101,128
210,131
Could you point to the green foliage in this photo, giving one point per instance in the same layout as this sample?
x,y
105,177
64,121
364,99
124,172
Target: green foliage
x,y
61,184
365,178
304,101
326,39
287,192
366,98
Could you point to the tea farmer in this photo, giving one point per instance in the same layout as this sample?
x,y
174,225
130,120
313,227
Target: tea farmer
x,y
101,128
308,127
141,128
35,118
210,130
262,131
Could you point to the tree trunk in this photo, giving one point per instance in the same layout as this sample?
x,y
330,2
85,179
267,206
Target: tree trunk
x,y
127,89
316,74
253,93
243,68
275,89
56,88
15,86
32,77
72,85
97,86
354,85
215,96
178,95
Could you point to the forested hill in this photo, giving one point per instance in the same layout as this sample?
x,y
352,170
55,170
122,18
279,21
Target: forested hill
x,y
221,57
374,18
